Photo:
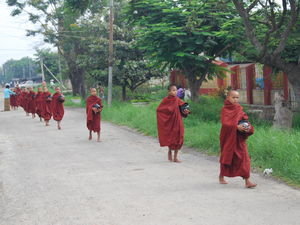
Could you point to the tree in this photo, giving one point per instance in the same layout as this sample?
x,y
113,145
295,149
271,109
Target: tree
x,y
183,34
57,23
130,67
274,32
24,68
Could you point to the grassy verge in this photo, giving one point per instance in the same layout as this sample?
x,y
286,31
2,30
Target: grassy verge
x,y
268,148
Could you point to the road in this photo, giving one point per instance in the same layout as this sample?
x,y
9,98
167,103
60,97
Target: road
x,y
52,177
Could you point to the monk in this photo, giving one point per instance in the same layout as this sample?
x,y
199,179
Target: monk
x,y
13,100
25,101
31,101
94,108
46,106
170,124
58,106
234,160
38,102
18,94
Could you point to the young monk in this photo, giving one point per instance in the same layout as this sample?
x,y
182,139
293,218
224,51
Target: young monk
x,y
170,124
46,106
94,107
18,94
31,101
58,106
38,102
234,160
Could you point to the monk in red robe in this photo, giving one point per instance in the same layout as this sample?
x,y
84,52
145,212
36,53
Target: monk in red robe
x,y
25,101
31,101
170,124
18,94
58,106
94,108
46,106
13,100
38,102
234,160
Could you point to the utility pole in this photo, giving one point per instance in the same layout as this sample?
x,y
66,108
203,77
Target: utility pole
x,y
111,52
42,69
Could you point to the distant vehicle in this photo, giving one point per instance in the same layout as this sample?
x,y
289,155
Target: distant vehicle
x,y
29,83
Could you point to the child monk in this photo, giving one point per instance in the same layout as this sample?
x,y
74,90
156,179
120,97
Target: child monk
x,y
170,124
38,102
234,160
93,109
31,101
46,106
25,101
58,106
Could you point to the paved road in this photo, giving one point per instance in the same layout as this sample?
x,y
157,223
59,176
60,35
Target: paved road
x,y
51,177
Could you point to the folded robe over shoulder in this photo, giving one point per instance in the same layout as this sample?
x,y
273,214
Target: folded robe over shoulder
x,y
169,123
46,106
57,107
235,160
93,119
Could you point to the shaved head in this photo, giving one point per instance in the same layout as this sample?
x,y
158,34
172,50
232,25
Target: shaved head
x,y
232,92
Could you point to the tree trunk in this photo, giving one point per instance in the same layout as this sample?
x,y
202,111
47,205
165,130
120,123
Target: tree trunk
x,y
293,77
194,85
76,76
124,93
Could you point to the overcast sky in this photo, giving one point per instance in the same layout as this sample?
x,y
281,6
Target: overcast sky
x,y
14,44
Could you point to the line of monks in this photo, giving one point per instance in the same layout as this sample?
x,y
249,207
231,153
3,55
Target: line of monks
x,y
46,106
41,103
234,159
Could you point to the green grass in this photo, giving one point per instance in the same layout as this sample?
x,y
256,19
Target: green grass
x,y
268,148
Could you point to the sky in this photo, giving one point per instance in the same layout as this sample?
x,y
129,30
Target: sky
x,y
14,44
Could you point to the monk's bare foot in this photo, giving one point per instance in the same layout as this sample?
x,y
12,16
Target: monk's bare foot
x,y
90,137
177,161
58,127
98,140
222,180
249,184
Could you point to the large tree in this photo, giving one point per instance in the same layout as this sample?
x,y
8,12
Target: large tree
x,y
183,34
56,20
273,30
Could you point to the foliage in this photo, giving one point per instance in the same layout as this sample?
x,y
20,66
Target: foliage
x,y
183,34
24,68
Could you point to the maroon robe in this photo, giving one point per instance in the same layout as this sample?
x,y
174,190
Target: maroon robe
x,y
57,107
25,101
13,100
18,95
169,123
31,102
235,160
46,106
93,119
38,103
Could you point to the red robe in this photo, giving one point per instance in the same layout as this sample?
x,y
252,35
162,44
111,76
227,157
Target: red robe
x,y
46,106
18,92
25,101
38,103
93,119
235,160
31,102
13,100
169,123
57,107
